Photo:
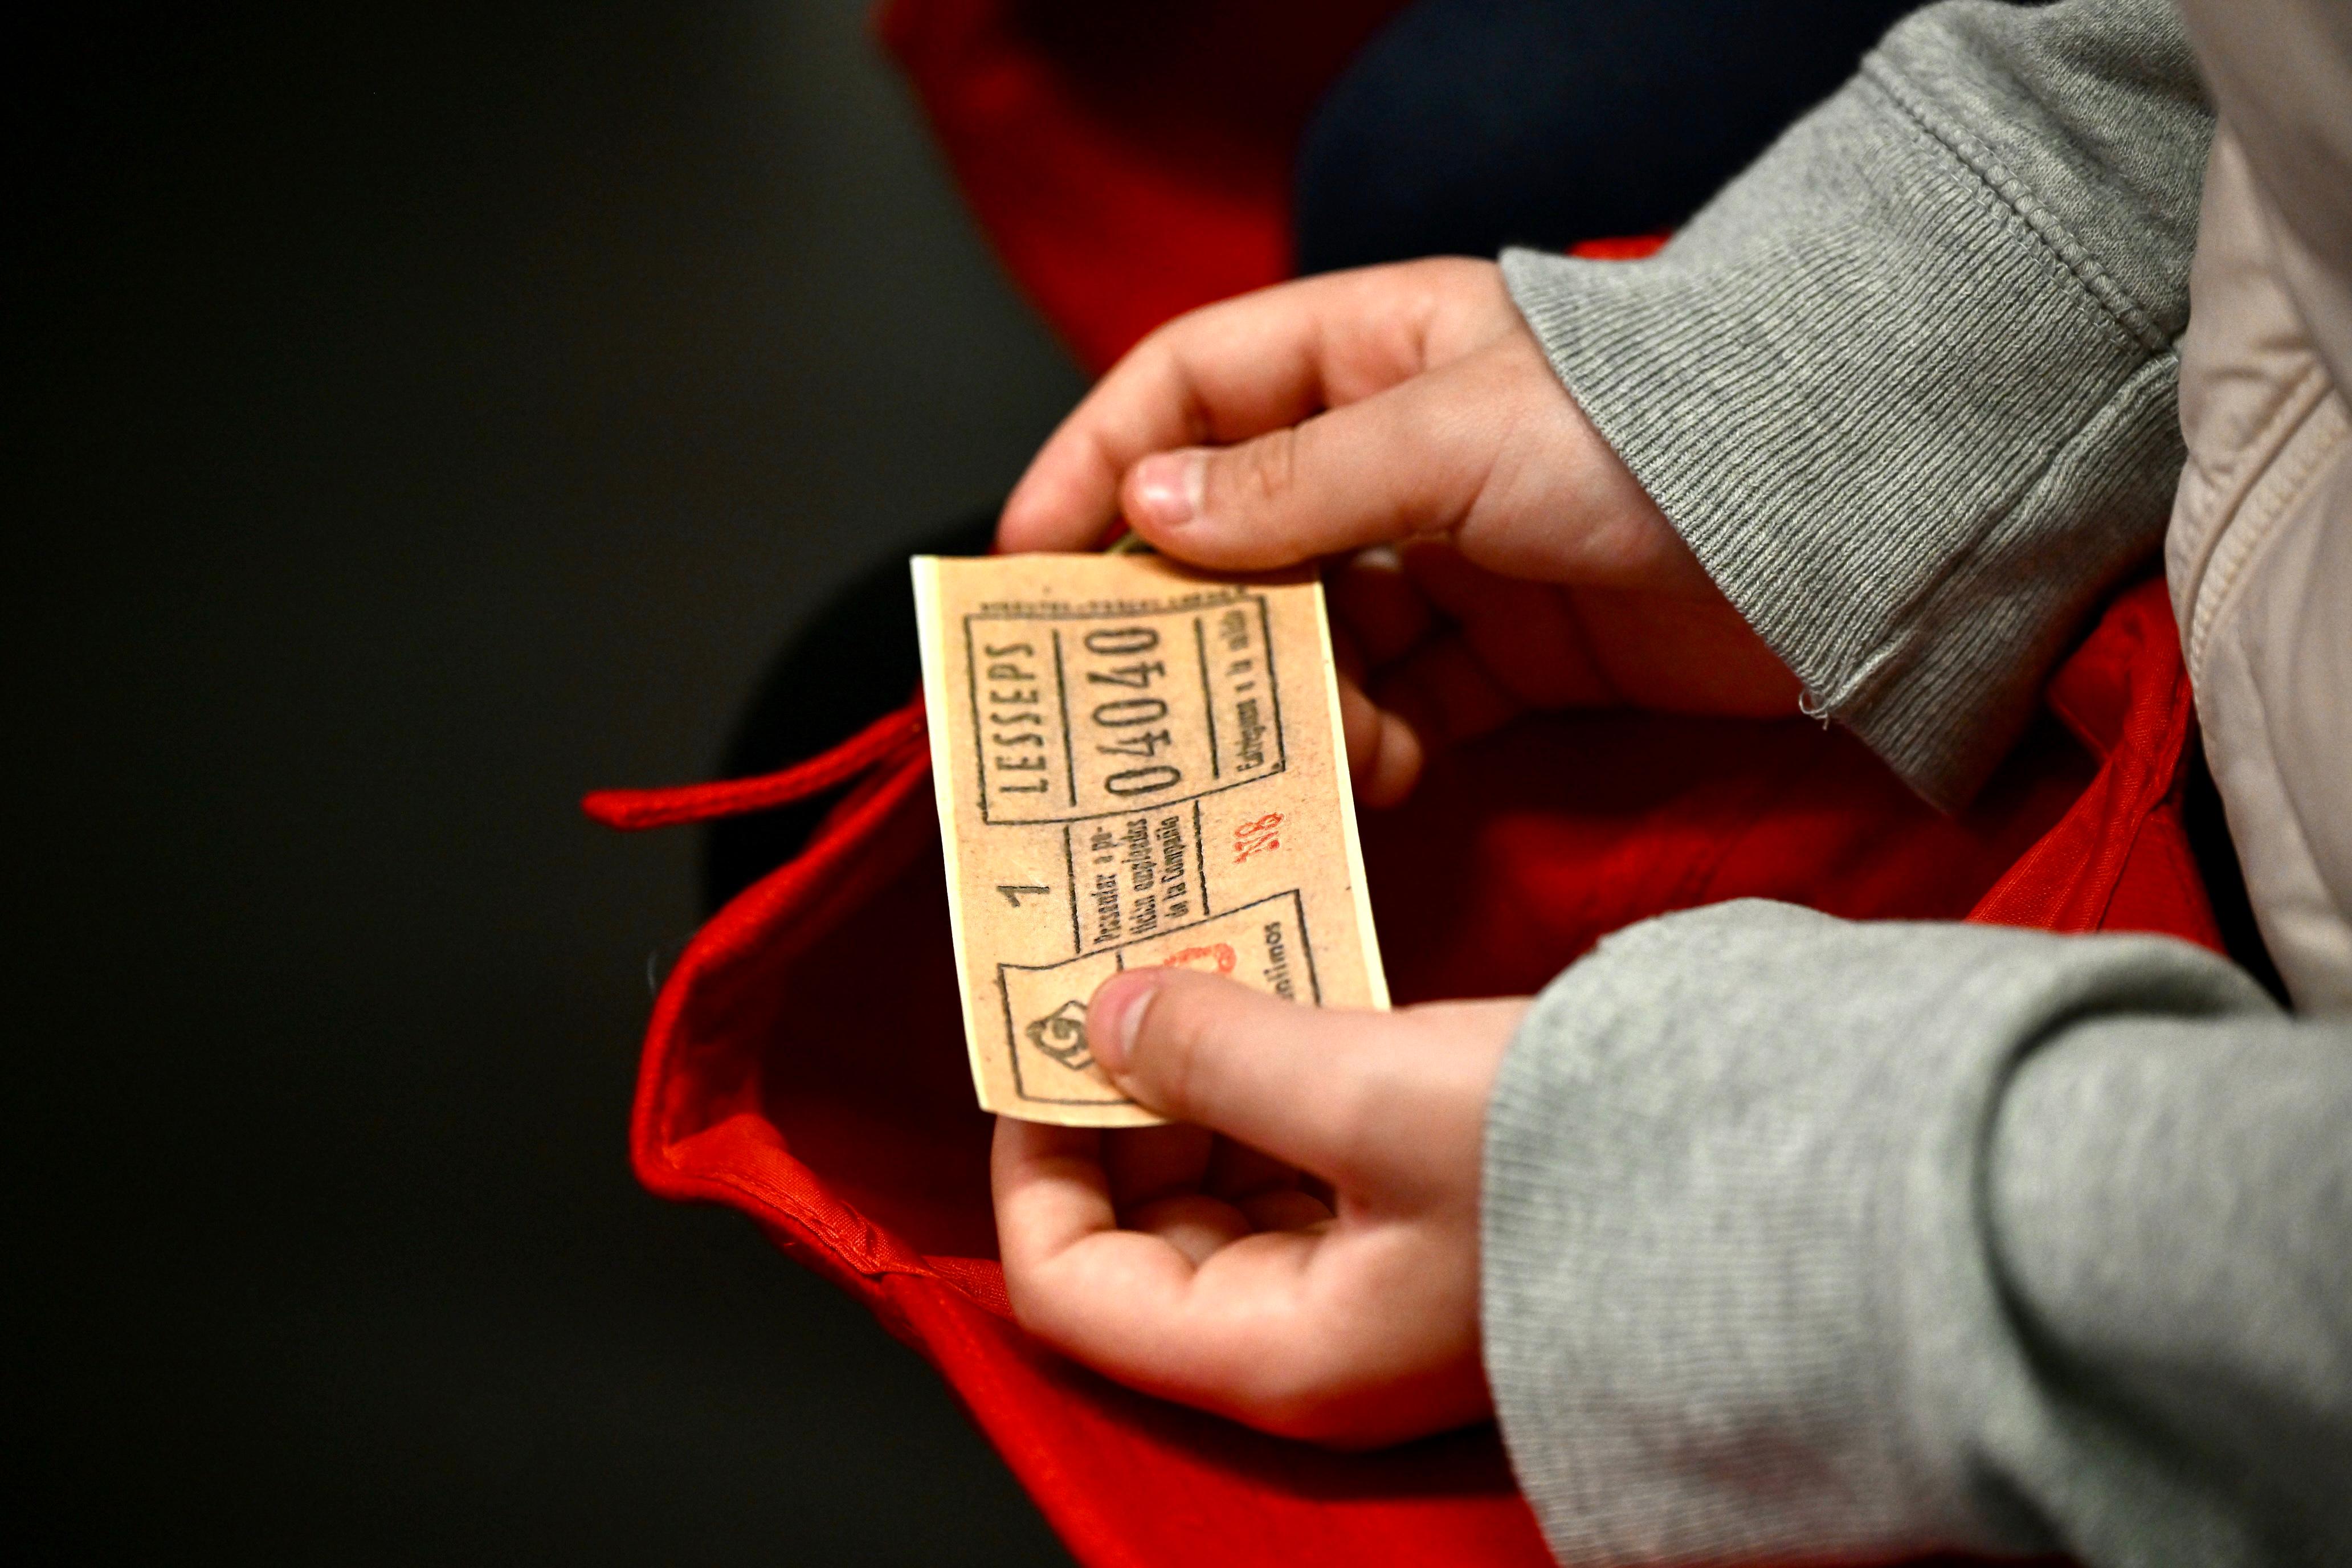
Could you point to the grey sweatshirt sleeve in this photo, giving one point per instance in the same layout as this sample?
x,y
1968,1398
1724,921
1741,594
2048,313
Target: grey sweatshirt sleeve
x,y
1806,1239
1908,385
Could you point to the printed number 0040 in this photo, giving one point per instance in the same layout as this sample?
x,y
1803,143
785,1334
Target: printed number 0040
x,y
1250,837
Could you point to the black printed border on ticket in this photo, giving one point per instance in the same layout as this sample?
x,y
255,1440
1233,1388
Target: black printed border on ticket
x,y
1070,809
1292,897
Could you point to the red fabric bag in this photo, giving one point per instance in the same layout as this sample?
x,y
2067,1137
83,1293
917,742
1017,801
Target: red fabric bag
x,y
806,1060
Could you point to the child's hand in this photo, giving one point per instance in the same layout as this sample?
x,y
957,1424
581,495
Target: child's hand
x,y
1394,404
1342,1308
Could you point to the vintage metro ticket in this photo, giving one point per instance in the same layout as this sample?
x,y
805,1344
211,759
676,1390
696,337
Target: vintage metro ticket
x,y
1136,765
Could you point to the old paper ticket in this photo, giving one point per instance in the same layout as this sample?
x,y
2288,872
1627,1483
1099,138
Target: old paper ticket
x,y
1136,765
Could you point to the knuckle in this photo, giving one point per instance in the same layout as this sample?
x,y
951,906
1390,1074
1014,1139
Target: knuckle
x,y
1454,270
1269,467
1162,341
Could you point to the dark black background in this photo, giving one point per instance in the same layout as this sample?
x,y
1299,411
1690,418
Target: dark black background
x,y
422,416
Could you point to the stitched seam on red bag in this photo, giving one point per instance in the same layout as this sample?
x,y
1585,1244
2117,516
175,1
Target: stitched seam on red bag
x,y
772,1205
859,1253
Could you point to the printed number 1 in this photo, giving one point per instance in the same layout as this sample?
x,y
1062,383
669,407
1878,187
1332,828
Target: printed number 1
x,y
1252,837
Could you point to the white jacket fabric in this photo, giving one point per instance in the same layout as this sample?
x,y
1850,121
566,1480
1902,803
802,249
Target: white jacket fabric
x,y
2259,553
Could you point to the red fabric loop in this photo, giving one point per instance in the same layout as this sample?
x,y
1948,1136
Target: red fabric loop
x,y
891,735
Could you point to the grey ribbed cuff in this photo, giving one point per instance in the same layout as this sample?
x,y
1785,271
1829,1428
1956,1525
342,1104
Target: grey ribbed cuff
x,y
1910,421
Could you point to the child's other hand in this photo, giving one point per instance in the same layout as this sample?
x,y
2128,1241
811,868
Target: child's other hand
x,y
1194,1261
1405,405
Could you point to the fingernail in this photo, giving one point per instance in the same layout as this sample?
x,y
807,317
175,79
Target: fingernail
x,y
1114,1015
1167,487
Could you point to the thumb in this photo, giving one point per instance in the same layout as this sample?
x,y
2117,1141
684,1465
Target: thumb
x,y
1405,461
1295,1082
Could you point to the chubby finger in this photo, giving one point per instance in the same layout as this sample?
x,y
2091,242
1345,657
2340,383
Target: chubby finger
x,y
1228,1331
1050,1188
1234,370
1406,461
1194,1309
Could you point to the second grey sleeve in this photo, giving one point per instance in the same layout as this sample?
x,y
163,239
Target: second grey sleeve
x,y
1812,1239
1908,385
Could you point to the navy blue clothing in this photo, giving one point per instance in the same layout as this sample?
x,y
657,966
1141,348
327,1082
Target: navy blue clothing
x,y
1467,125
